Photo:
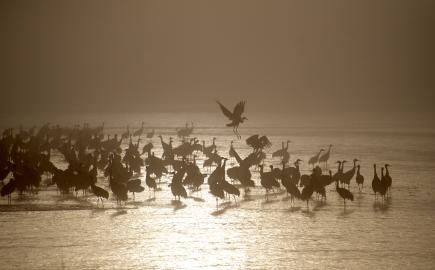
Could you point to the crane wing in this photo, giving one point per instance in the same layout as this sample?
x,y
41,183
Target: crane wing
x,y
251,159
226,112
251,141
265,141
239,108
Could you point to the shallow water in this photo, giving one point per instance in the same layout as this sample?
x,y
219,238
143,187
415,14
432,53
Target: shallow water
x,y
47,231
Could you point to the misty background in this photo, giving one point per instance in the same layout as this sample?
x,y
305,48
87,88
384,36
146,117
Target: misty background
x,y
314,57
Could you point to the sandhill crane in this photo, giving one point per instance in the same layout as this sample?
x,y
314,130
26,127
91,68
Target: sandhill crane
x,y
167,148
186,131
147,148
139,131
215,183
339,173
235,117
151,182
290,186
258,143
375,182
100,193
325,157
226,186
388,179
347,176
242,172
281,152
217,190
344,193
383,186
268,180
313,161
134,186
306,194
208,150
359,178
176,185
120,191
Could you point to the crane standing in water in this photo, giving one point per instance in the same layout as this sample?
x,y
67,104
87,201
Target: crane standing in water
x,y
325,157
312,161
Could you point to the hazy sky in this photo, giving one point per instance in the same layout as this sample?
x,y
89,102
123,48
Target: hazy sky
x,y
305,55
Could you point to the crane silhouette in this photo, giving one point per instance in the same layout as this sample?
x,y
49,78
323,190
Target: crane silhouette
x,y
281,152
359,178
376,182
242,172
235,117
100,193
176,185
312,161
268,180
344,193
347,176
150,182
306,194
325,157
383,186
215,183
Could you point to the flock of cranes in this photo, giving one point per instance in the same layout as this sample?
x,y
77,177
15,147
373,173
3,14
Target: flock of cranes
x,y
90,155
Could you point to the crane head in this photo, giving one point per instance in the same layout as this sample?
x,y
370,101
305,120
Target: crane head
x,y
387,165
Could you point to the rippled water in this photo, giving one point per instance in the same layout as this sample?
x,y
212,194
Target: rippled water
x,y
50,232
